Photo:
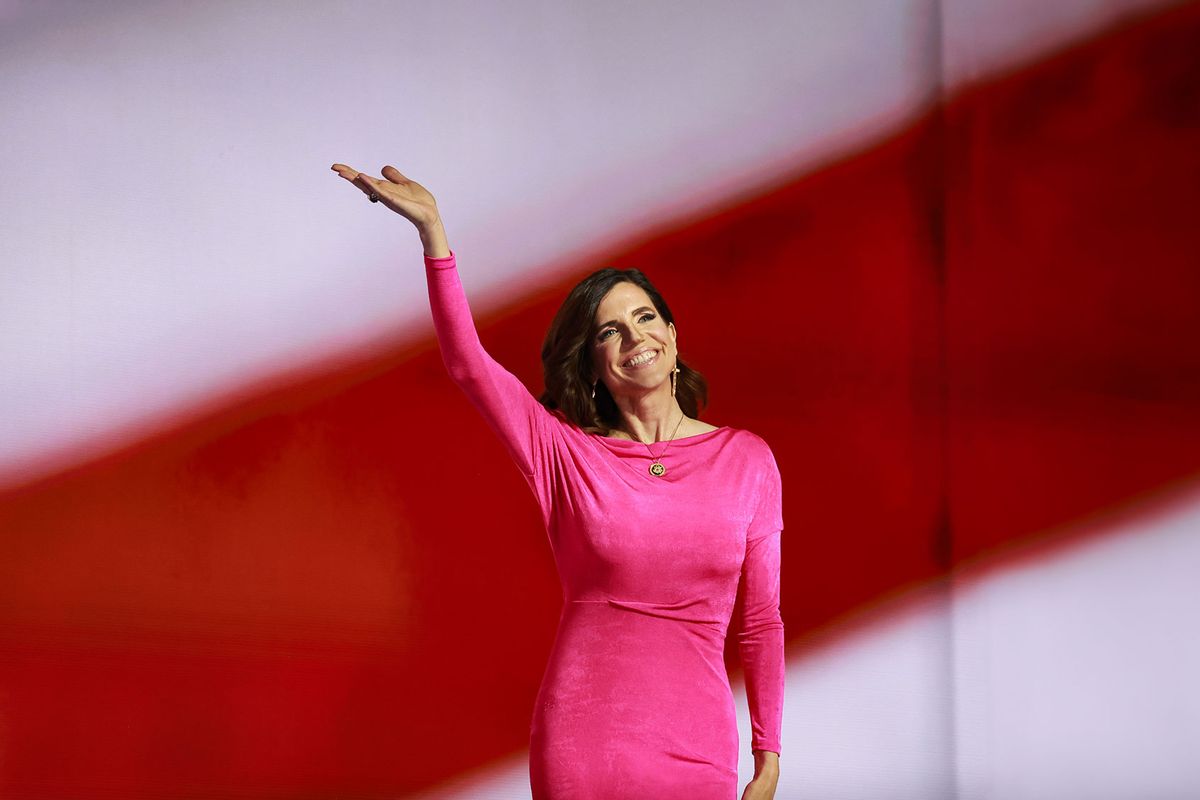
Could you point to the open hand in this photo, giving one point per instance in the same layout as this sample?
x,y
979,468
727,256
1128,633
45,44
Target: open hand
x,y
407,198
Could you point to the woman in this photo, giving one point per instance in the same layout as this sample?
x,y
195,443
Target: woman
x,y
656,519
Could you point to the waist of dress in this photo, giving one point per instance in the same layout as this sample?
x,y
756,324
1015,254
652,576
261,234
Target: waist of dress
x,y
694,611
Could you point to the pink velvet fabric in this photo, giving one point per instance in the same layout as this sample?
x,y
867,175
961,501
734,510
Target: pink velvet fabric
x,y
635,701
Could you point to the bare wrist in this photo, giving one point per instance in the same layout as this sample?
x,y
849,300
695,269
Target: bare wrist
x,y
433,238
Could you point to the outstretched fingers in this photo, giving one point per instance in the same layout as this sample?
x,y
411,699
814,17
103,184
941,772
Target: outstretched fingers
x,y
396,191
392,174
365,182
360,179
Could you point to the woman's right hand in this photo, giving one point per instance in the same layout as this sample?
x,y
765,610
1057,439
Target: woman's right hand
x,y
407,198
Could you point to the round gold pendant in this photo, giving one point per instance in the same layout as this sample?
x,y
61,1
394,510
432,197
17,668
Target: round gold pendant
x,y
657,468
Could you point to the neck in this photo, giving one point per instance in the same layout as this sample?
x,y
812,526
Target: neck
x,y
652,417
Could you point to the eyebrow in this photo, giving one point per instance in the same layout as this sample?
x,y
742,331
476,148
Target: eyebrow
x,y
633,313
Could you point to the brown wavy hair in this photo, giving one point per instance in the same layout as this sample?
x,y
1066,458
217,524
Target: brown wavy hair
x,y
567,356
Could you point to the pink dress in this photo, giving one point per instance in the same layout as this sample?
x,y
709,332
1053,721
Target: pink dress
x,y
635,701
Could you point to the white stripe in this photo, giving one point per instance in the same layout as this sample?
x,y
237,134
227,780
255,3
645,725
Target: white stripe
x,y
172,232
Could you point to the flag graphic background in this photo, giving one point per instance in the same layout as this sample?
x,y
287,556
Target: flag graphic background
x,y
942,257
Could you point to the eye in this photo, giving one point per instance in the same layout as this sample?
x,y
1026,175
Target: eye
x,y
645,316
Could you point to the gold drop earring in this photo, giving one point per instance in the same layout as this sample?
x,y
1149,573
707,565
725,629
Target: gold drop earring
x,y
673,378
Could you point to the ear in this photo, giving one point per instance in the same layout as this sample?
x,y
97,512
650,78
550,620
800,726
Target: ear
x,y
674,334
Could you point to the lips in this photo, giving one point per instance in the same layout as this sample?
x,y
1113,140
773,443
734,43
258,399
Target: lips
x,y
652,359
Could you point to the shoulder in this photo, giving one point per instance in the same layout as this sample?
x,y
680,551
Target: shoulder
x,y
752,441
755,450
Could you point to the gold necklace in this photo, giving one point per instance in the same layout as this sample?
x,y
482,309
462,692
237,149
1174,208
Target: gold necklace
x,y
656,468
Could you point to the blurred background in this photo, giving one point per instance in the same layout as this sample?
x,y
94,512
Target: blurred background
x,y
943,256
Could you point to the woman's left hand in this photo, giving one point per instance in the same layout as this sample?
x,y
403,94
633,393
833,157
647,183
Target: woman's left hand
x,y
761,788
766,776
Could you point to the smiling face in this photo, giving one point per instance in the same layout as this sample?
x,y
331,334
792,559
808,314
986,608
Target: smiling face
x,y
629,328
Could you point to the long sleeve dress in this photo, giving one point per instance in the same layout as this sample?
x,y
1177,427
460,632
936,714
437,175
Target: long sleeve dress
x,y
635,701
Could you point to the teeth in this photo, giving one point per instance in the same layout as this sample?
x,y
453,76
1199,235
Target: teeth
x,y
642,359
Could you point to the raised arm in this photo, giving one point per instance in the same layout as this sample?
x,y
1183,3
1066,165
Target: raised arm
x,y
760,638
521,422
